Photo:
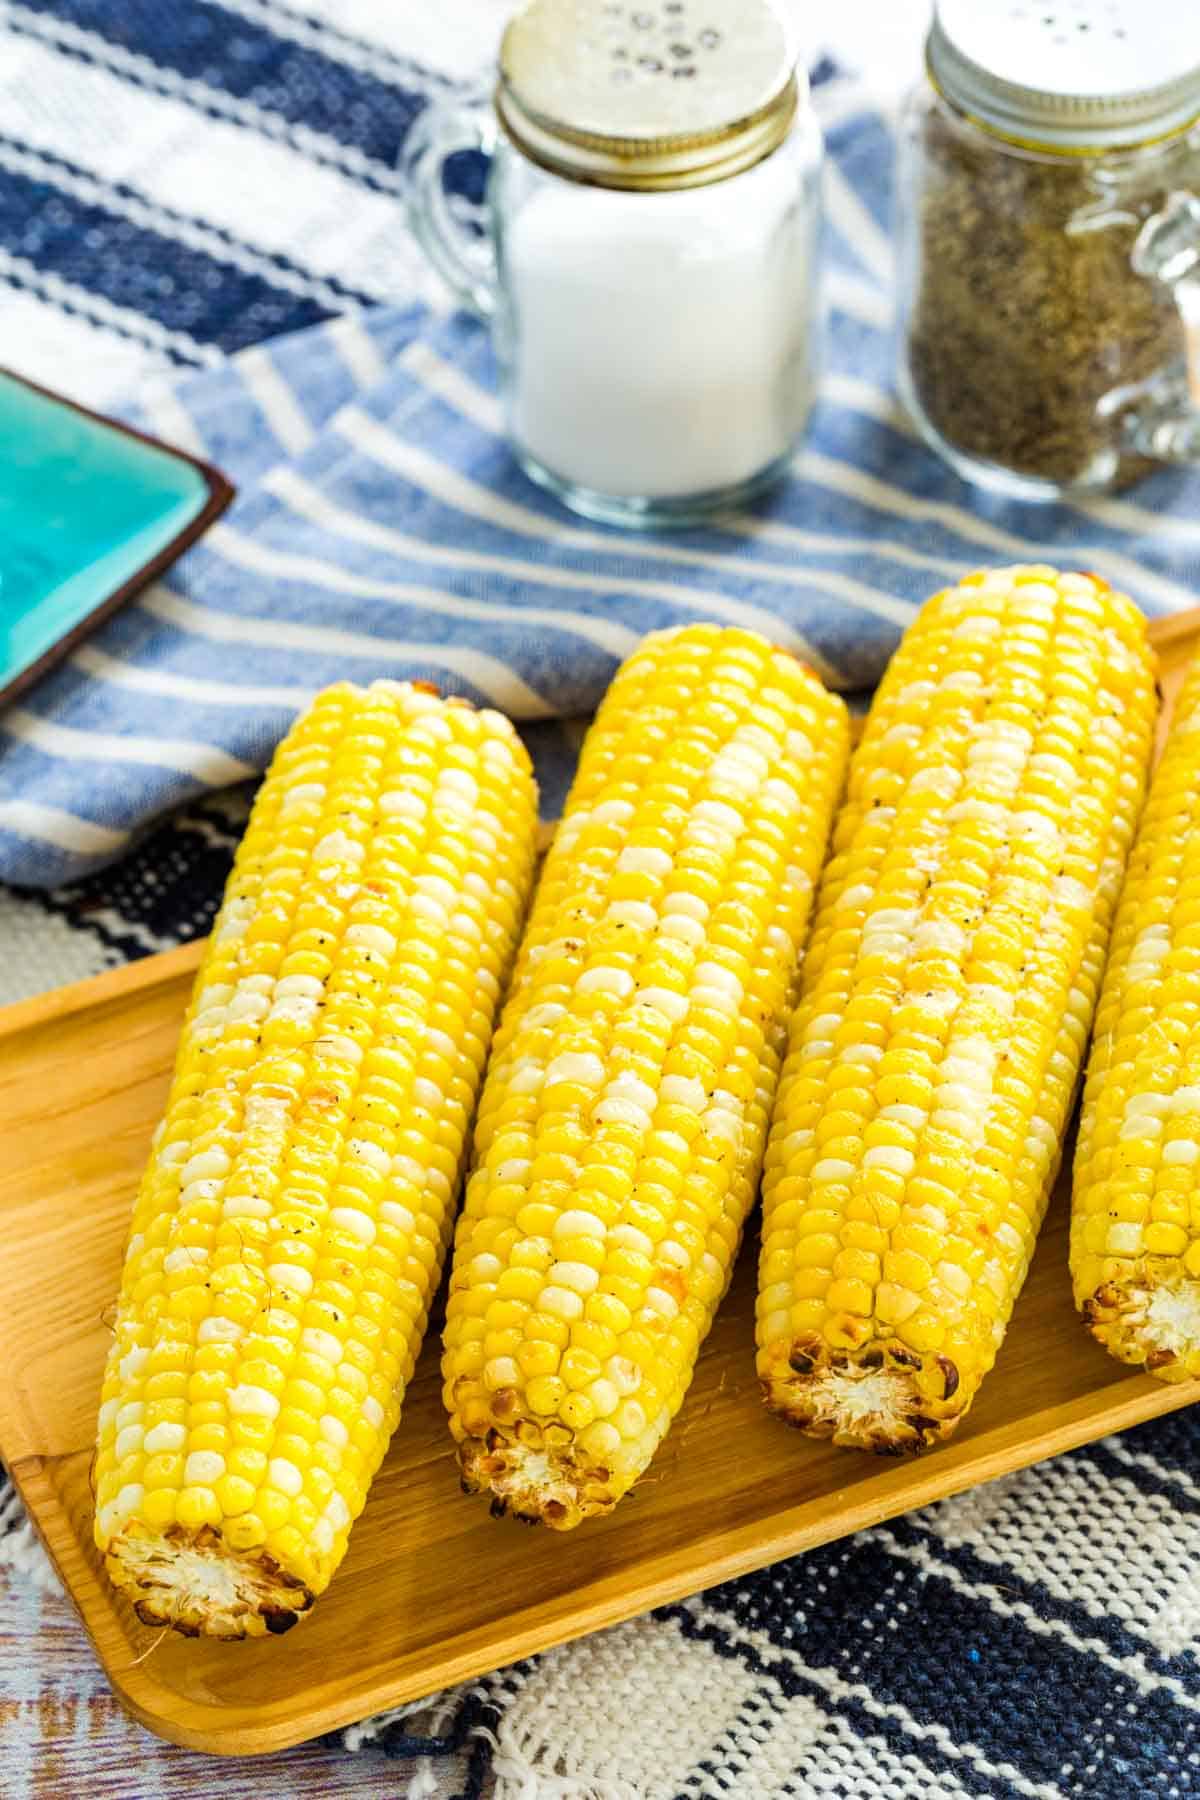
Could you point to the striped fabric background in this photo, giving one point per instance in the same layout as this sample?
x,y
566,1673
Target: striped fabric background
x,y
185,186
381,525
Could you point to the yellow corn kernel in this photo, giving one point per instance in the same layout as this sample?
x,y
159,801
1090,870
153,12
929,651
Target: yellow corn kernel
x,y
289,1230
623,1115
947,995
1135,1209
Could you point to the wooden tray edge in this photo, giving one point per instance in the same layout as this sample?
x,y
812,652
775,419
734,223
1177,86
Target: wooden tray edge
x,y
1168,628
94,990
673,1577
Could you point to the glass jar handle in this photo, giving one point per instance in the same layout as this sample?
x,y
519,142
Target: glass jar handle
x,y
465,262
1165,424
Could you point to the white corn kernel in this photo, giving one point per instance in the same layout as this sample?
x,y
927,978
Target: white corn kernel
x,y
283,1476
128,1440
584,1070
164,1437
561,1302
356,1223
218,1330
202,1468
256,1402
581,1278
579,1224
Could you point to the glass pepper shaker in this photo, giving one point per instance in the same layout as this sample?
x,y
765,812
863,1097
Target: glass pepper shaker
x,y
649,267
1050,242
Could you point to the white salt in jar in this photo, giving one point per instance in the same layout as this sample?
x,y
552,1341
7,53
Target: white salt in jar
x,y
653,206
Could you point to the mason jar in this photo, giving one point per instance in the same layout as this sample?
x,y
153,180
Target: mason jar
x,y
649,263
1049,189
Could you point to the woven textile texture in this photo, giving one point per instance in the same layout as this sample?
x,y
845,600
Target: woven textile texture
x,y
182,183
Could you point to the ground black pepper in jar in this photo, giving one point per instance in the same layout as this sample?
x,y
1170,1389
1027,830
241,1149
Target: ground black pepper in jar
x,y
1050,240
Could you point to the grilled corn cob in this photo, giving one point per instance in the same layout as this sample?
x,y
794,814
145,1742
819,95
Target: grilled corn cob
x,y
1135,1218
947,995
290,1228
624,1112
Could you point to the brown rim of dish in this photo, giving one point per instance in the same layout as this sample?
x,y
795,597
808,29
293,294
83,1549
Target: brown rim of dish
x,y
220,492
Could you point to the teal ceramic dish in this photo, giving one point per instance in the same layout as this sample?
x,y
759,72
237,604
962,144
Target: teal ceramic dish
x,y
89,512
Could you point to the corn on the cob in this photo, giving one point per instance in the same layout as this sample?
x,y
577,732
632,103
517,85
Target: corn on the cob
x,y
947,996
1135,1219
624,1112
290,1228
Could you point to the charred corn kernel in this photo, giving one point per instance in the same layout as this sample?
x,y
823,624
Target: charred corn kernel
x,y
1135,1213
290,1227
947,994
623,1118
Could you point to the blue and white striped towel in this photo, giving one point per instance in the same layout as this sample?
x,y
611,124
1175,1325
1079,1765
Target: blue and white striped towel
x,y
382,529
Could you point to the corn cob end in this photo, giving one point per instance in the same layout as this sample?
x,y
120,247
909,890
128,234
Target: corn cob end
x,y
191,1579
886,1398
536,1482
1148,1321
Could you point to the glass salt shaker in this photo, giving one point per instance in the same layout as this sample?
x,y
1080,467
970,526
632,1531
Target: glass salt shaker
x,y
650,263
1050,242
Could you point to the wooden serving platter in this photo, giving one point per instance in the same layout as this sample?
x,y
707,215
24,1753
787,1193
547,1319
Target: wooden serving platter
x,y
433,1590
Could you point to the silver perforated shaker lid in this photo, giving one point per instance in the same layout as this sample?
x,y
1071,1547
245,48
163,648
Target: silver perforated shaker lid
x,y
648,93
1070,75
